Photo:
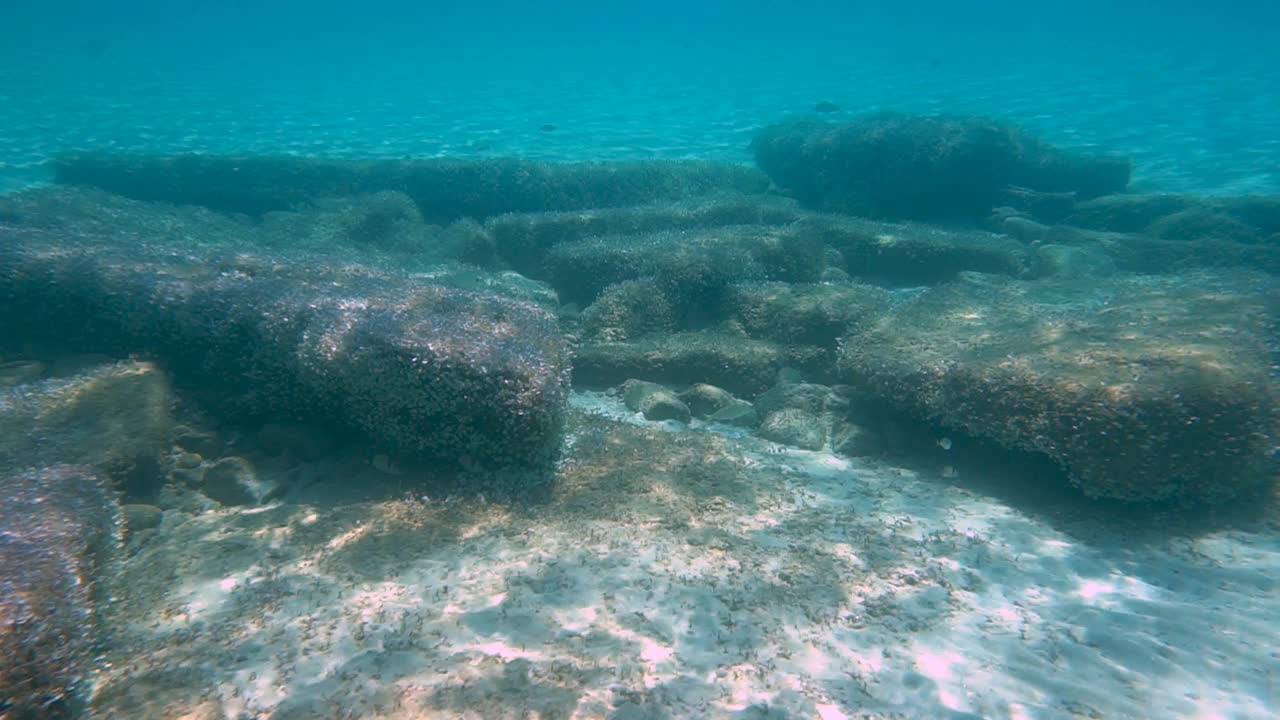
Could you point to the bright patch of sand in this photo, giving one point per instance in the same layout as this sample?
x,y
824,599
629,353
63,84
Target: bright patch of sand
x,y
693,575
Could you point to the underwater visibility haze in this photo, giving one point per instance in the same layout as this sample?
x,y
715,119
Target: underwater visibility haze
x,y
639,361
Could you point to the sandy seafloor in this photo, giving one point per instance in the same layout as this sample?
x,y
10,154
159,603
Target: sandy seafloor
x,y
698,573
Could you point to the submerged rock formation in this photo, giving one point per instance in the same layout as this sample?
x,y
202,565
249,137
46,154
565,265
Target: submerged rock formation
x,y
1141,387
420,369
60,535
443,189
944,169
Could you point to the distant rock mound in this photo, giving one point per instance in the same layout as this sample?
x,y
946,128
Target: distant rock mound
x,y
938,169
60,534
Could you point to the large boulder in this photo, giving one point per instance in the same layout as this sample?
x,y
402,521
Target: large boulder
x,y
912,254
695,267
1248,219
443,189
421,369
1141,387
523,239
60,535
899,167
113,418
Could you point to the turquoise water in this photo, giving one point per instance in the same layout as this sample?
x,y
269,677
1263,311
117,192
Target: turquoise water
x,y
1188,89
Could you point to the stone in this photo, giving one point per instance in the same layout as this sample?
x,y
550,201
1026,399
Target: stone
x,y
693,268
629,310
60,540
113,418
187,460
443,190
794,427
810,397
523,239
196,441
1143,388
740,365
704,400
806,314
911,254
140,516
416,368
1071,261
739,413
936,169
654,401
234,481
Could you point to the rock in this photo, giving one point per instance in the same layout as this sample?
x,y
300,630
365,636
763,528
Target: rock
x,y
654,401
1201,223
199,442
60,539
234,481
1126,213
523,239
416,368
629,310
187,460
704,399
139,517
794,427
740,365
810,397
1045,207
1143,388
739,413
112,418
908,254
935,169
443,190
693,268
795,314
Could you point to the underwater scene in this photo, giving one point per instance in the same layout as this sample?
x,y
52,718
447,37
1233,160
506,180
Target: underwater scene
x,y
573,360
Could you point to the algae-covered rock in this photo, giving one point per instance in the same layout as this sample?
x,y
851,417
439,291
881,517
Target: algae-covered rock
x,y
1141,387
694,268
795,427
114,418
806,314
60,535
628,310
1250,218
443,189
704,399
908,254
946,169
523,239
741,365
654,401
418,368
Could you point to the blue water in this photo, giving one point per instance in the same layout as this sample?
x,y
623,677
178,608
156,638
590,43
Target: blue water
x,y
1188,89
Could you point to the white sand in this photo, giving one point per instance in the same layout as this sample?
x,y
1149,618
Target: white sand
x,y
693,575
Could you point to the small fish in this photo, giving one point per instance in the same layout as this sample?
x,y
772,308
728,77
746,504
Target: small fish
x,y
826,106
548,128
944,443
